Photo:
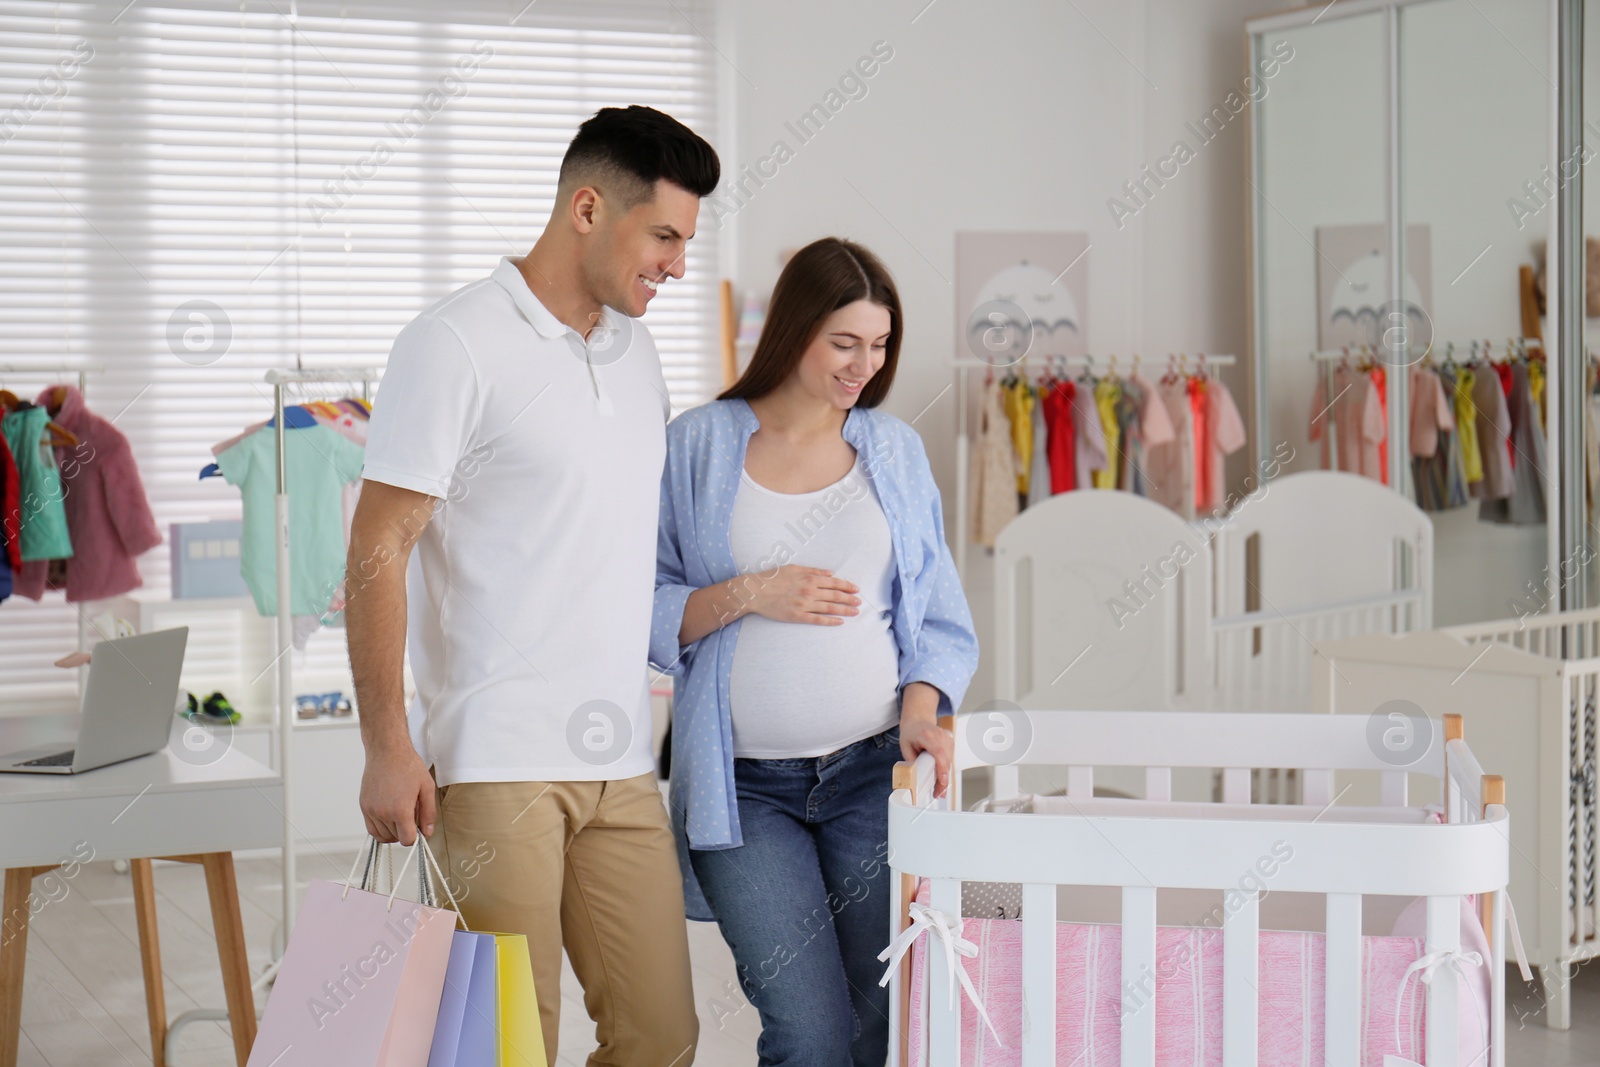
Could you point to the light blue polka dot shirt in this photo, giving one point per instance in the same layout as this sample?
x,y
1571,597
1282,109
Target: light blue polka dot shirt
x,y
930,619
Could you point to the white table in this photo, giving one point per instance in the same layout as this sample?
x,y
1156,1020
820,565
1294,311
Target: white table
x,y
197,800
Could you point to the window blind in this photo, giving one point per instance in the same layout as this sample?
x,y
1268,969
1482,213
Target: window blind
x,y
194,192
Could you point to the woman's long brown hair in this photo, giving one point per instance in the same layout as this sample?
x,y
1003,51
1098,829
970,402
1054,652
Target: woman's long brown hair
x,y
821,278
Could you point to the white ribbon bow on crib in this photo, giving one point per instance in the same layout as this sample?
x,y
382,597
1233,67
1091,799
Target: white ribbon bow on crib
x,y
1425,967
947,931
1430,963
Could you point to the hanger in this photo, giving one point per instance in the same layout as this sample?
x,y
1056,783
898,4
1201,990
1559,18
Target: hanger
x,y
1088,370
55,435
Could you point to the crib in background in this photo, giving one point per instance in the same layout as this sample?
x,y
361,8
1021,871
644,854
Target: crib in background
x,y
1527,688
1136,846
1111,601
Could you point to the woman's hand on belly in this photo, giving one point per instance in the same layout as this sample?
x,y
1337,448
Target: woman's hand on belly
x,y
802,594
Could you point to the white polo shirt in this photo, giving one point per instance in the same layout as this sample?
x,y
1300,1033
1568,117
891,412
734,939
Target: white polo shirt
x,y
529,593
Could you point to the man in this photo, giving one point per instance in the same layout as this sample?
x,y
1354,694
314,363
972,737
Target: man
x,y
518,442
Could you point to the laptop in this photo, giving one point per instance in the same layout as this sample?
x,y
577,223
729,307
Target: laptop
x,y
128,706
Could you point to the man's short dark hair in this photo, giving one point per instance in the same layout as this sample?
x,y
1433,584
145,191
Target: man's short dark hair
x,y
624,151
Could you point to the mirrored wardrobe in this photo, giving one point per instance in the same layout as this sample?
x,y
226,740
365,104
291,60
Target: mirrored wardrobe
x,y
1399,221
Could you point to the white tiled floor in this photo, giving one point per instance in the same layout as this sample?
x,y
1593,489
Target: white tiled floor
x,y
84,999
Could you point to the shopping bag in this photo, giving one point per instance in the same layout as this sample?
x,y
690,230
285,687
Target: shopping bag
x,y
469,1007
497,1010
361,977
521,1038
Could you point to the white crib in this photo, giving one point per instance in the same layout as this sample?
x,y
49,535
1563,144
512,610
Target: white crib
x,y
1530,698
1108,600
1309,558
1136,846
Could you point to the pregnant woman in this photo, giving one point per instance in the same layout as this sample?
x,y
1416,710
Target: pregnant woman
x,y
809,607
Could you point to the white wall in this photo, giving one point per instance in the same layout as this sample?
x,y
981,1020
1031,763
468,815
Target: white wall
x,y
1001,115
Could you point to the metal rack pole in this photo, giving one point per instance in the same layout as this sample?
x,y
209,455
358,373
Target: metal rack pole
x,y
285,629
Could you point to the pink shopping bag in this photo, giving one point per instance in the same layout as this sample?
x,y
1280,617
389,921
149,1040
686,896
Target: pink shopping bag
x,y
360,982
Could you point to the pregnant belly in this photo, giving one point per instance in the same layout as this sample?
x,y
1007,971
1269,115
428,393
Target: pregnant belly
x,y
796,686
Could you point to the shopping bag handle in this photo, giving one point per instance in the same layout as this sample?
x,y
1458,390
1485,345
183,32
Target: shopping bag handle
x,y
427,861
425,895
369,873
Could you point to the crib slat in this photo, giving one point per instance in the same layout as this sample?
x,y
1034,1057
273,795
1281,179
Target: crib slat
x,y
1039,963
1241,927
1342,987
1394,789
1138,976
1007,781
1236,785
1080,782
1444,935
1317,785
944,1023
1158,783
1497,990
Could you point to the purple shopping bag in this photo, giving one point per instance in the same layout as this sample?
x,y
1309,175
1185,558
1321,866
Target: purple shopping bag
x,y
469,1009
360,982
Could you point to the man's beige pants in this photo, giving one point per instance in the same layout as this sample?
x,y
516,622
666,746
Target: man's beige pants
x,y
600,856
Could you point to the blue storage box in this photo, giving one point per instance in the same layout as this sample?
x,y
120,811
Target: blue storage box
x,y
205,559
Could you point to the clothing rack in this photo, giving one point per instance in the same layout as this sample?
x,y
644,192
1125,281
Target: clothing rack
x,y
278,379
963,366
51,374
1471,351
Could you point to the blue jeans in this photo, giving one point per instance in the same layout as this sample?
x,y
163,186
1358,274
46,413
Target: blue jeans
x,y
804,903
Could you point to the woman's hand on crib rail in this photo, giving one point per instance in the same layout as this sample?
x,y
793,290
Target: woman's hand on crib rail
x,y
920,732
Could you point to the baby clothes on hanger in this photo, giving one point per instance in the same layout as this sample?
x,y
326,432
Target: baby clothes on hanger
x,y
1224,435
1355,411
1467,427
319,463
1380,387
1058,407
1172,465
1039,476
43,533
1493,418
1432,445
1107,392
1154,429
1089,453
108,515
1019,409
1536,387
994,469
10,521
1127,435
11,500
1195,391
1525,505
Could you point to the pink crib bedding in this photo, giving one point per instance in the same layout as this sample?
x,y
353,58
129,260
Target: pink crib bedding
x,y
1188,997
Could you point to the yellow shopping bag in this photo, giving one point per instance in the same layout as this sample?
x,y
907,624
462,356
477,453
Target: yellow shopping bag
x,y
521,1038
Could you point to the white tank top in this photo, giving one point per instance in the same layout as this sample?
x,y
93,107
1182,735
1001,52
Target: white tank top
x,y
800,689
